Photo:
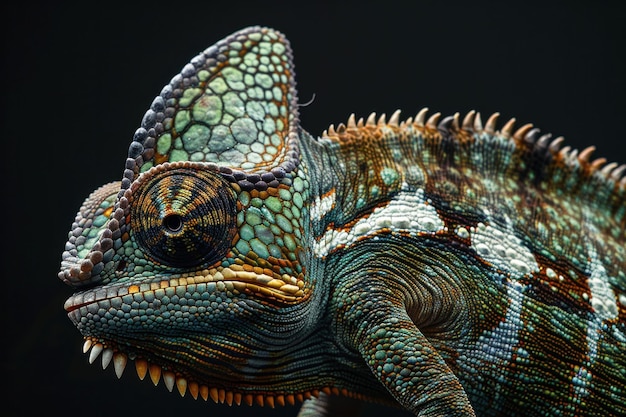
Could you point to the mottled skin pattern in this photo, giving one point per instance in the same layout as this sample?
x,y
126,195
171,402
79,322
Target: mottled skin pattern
x,y
441,266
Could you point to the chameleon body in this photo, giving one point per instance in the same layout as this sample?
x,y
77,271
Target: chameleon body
x,y
440,265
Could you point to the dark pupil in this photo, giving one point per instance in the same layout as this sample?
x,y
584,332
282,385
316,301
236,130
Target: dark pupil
x,y
173,223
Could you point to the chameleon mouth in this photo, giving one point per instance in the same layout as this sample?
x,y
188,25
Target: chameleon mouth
x,y
171,379
260,282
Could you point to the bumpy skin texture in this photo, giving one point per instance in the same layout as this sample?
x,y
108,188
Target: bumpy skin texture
x,y
444,267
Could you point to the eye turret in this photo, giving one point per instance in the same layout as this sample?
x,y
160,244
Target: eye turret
x,y
184,217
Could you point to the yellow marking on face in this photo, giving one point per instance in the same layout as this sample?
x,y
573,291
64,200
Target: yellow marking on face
x,y
283,287
108,211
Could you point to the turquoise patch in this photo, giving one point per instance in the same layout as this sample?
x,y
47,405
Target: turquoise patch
x,y
389,176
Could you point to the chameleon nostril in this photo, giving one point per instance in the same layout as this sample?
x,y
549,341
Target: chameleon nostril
x,y
121,265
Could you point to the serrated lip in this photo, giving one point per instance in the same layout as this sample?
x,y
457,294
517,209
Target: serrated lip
x,y
87,297
284,288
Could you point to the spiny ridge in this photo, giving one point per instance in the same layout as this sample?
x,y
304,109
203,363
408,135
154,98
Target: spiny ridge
x,y
527,136
96,349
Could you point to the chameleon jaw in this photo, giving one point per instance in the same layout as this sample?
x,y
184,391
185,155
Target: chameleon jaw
x,y
263,285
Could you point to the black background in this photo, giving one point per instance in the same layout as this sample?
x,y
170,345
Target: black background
x,y
78,79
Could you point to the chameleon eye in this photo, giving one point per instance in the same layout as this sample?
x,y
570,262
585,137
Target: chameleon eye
x,y
184,217
173,223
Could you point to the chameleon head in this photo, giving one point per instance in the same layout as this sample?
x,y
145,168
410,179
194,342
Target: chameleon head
x,y
203,232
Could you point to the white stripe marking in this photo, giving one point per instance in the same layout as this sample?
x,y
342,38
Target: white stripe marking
x,y
407,212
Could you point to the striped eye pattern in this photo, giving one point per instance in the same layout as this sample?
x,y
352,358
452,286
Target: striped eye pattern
x,y
184,217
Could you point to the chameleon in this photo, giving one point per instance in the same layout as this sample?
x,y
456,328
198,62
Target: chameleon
x,y
439,265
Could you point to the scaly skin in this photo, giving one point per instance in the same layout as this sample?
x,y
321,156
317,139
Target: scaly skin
x,y
446,268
